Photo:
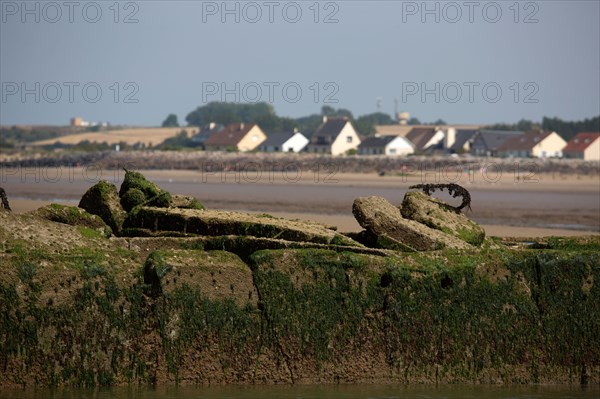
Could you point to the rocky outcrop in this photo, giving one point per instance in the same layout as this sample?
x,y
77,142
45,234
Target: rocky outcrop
x,y
73,216
383,221
86,311
436,214
222,223
4,200
102,199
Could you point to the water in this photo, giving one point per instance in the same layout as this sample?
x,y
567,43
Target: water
x,y
319,392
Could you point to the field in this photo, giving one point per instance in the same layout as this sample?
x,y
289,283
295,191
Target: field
x,y
150,136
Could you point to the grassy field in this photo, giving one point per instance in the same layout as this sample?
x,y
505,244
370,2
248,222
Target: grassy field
x,y
150,136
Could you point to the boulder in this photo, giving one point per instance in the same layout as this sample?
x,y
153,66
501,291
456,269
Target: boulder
x,y
222,223
185,201
73,216
137,190
438,215
383,220
136,180
102,199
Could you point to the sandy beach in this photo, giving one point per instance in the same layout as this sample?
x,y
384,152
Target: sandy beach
x,y
508,206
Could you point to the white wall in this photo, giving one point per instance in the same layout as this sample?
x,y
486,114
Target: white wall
x,y
549,147
296,143
341,143
398,147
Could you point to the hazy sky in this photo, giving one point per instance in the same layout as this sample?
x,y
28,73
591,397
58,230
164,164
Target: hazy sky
x,y
135,62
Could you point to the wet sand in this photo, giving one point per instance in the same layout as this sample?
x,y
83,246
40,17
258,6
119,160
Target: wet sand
x,y
508,207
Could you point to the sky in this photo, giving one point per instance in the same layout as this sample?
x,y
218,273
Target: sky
x,y
134,62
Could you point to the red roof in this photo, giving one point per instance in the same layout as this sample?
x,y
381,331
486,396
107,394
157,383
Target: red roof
x,y
581,141
525,141
231,135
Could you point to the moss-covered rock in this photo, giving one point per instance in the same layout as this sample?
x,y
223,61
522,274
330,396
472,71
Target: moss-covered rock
x,y
102,199
138,181
438,215
87,312
132,198
185,202
137,190
222,223
162,200
382,219
73,216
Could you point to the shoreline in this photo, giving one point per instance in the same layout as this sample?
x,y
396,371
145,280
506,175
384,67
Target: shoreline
x,y
550,205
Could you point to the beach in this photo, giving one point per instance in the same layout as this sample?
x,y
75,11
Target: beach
x,y
506,206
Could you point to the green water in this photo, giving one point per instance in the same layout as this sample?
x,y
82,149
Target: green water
x,y
317,392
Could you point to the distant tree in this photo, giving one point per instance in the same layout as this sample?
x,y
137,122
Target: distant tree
x,y
179,141
226,113
414,121
523,125
170,121
569,129
327,110
365,124
344,113
439,122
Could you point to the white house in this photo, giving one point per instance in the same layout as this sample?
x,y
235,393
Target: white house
x,y
386,145
584,146
533,144
335,136
284,142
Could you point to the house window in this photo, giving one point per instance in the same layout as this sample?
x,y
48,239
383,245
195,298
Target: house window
x,y
276,148
392,151
348,139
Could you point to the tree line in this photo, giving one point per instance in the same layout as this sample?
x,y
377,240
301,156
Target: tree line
x,y
566,129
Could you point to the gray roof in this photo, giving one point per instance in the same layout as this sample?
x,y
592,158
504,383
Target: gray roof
x,y
493,139
277,139
378,142
462,136
330,129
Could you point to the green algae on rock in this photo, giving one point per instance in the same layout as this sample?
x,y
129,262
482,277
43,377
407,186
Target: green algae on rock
x,y
86,315
434,213
222,223
73,216
380,218
102,199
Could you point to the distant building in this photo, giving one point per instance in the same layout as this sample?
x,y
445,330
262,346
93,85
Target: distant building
x,y
533,144
463,139
205,132
335,136
285,142
485,143
236,137
77,121
425,138
584,146
386,145
393,130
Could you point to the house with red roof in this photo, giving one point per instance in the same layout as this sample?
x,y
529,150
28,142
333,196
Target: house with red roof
x,y
533,144
236,137
584,146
